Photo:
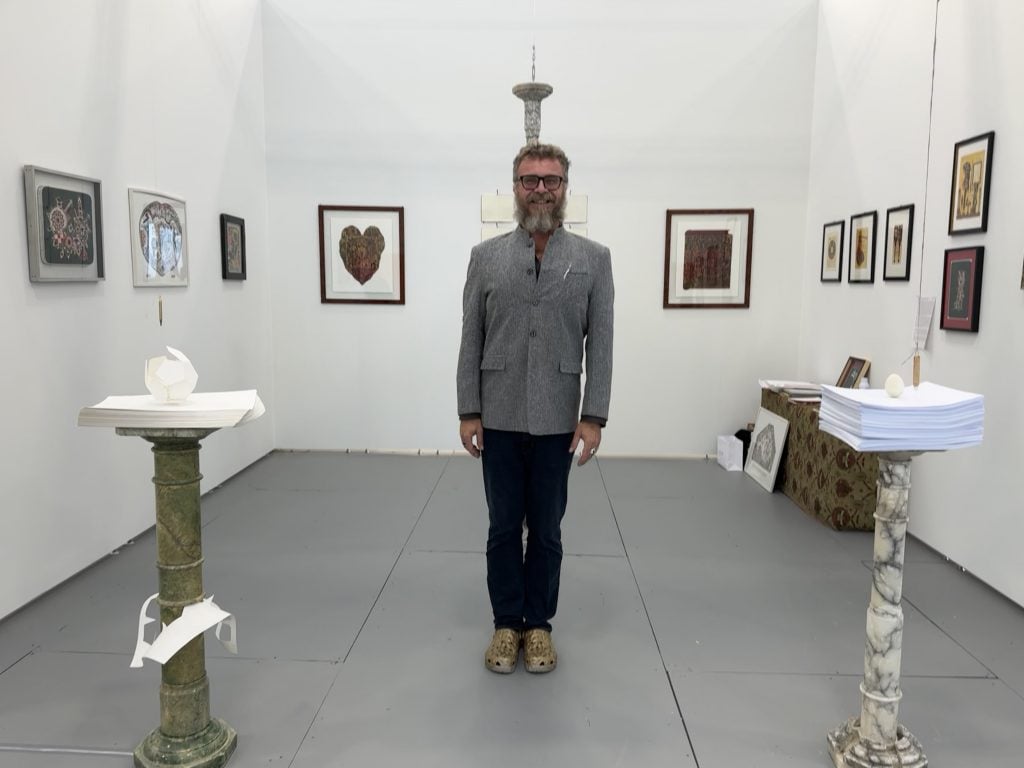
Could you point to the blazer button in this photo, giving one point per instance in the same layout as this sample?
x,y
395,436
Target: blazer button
x,y
532,334
536,303
529,271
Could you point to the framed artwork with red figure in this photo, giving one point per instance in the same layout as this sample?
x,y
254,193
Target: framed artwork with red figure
x,y
961,289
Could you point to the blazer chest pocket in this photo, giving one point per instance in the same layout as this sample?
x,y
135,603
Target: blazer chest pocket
x,y
577,281
493,363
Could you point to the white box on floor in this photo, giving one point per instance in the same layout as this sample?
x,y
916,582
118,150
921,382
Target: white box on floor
x,y
730,453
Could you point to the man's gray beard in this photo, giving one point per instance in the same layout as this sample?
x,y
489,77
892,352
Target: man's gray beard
x,y
539,221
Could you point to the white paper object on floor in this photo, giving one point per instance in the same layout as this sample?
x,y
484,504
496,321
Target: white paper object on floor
x,y
202,410
194,620
730,453
929,417
171,380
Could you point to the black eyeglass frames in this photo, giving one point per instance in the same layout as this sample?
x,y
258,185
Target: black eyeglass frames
x,y
532,181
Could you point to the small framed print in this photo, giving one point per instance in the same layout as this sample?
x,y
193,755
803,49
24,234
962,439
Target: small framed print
x,y
961,289
65,234
862,247
362,254
832,252
707,258
766,444
232,247
856,368
972,178
159,239
899,234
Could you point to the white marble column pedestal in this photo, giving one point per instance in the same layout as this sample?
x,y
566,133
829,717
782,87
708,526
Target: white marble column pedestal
x,y
876,738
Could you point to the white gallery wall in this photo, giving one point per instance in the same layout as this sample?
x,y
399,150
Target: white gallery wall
x,y
873,146
161,96
658,104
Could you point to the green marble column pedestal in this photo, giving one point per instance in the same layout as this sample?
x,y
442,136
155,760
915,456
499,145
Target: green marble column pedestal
x,y
187,737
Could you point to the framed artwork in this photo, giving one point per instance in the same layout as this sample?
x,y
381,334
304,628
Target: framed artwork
x,y
832,252
232,247
159,239
707,258
65,234
972,177
766,444
899,234
862,247
362,254
961,289
856,368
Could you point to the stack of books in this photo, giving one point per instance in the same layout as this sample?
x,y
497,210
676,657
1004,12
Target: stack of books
x,y
200,410
798,391
929,417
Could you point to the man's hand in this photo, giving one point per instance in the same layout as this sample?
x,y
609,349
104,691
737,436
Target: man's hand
x,y
471,433
590,434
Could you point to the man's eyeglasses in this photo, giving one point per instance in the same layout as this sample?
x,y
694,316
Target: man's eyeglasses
x,y
531,182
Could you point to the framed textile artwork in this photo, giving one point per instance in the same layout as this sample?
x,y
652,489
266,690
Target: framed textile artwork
x,y
707,258
766,444
899,235
972,178
961,289
856,368
159,239
832,252
65,227
232,247
862,247
362,254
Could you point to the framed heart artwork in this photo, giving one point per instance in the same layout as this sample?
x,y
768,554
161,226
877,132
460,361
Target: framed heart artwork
x,y
362,254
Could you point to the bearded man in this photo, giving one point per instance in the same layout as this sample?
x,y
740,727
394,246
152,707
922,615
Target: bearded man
x,y
535,300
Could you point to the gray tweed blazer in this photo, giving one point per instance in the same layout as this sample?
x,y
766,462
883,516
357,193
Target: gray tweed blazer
x,y
524,336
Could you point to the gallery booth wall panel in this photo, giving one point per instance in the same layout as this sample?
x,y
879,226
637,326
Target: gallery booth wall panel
x,y
870,150
166,97
418,112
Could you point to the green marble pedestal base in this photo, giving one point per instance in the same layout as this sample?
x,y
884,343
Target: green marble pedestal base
x,y
187,737
210,748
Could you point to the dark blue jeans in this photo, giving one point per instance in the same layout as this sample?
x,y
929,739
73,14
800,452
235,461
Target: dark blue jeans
x,y
526,478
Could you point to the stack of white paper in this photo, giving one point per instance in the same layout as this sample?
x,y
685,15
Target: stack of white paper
x,y
925,418
792,388
201,410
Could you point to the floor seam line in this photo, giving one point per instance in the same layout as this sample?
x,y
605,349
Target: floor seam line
x,y
650,623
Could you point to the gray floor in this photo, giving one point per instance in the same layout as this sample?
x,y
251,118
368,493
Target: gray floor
x,y
703,622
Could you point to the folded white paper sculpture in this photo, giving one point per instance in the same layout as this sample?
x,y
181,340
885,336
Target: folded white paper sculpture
x,y
194,620
171,381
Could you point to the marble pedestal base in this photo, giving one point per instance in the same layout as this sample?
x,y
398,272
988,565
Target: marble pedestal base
x,y
210,748
876,739
848,749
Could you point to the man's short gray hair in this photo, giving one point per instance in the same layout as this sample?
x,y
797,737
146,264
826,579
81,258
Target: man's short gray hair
x,y
540,152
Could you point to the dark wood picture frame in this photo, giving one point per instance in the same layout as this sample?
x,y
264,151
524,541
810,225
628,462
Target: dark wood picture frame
x,y
232,247
899,239
968,194
832,235
856,368
362,254
961,288
863,231
708,253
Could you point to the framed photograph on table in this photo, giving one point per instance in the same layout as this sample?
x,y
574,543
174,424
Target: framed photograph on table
x,y
232,247
766,444
707,258
961,289
862,247
899,234
856,368
65,235
832,252
972,177
159,240
362,254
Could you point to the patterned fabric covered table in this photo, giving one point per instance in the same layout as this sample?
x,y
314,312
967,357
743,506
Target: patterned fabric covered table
x,y
823,475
